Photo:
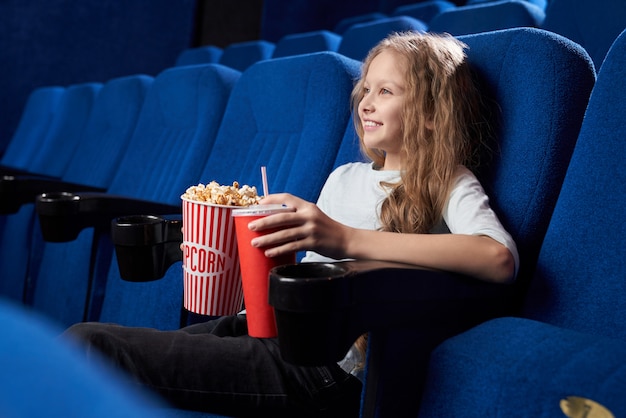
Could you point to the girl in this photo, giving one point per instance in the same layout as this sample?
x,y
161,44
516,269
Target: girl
x,y
417,113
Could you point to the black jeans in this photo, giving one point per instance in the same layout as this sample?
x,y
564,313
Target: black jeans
x,y
216,367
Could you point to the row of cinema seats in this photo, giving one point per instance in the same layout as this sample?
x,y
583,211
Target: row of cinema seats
x,y
193,124
348,36
300,135
591,24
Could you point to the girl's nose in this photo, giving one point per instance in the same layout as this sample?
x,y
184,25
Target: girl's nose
x,y
367,105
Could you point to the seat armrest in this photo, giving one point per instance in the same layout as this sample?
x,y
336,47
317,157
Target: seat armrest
x,y
146,245
16,190
322,308
13,171
62,215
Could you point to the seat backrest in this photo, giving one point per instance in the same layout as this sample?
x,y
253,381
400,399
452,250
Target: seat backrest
x,y
528,73
575,342
66,130
295,132
51,157
425,10
173,137
241,55
592,24
288,114
488,16
581,271
350,149
307,42
35,121
542,4
44,375
108,131
347,22
175,133
360,38
201,55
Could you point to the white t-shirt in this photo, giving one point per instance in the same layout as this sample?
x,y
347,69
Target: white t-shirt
x,y
352,195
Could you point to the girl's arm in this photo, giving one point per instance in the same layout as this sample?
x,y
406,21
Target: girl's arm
x,y
308,228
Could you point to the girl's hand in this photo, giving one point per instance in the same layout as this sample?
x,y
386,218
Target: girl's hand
x,y
306,228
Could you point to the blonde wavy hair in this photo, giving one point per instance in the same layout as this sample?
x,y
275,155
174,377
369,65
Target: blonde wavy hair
x,y
442,126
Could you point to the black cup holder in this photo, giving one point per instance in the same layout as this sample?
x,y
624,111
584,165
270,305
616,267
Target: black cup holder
x,y
9,199
319,278
138,230
307,319
146,246
58,216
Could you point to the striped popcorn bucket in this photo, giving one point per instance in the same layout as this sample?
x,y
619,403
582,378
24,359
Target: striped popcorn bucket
x,y
212,276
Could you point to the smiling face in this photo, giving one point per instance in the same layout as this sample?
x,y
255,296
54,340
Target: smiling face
x,y
380,109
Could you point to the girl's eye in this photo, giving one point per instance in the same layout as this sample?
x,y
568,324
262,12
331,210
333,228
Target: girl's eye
x,y
366,90
385,91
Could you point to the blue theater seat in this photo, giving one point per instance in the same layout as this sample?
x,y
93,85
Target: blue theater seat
x,y
43,376
35,122
542,4
528,73
345,23
570,339
65,131
592,24
424,11
488,16
101,145
349,150
172,138
360,38
288,114
62,137
241,55
207,54
307,42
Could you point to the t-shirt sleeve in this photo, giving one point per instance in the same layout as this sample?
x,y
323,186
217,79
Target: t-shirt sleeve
x,y
468,212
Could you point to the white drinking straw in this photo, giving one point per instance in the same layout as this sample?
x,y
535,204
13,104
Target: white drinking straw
x,y
264,177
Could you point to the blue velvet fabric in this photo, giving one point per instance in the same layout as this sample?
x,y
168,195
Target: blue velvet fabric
x,y
62,42
572,341
35,122
108,131
360,38
201,55
512,367
44,376
488,16
104,142
592,24
529,73
61,139
580,282
542,4
425,10
345,23
242,55
307,42
66,130
288,114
